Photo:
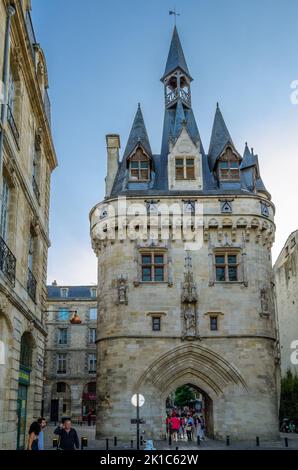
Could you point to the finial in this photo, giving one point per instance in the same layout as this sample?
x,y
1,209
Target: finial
x,y
174,12
252,151
217,105
139,105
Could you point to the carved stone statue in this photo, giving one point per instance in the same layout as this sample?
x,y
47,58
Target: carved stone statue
x,y
189,320
122,291
189,299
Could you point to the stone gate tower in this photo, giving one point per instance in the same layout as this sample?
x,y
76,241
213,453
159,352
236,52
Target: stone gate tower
x,y
174,311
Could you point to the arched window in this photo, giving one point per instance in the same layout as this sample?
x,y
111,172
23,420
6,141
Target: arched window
x,y
228,166
139,166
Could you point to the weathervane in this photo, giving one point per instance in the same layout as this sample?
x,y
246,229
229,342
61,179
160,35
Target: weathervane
x,y
174,12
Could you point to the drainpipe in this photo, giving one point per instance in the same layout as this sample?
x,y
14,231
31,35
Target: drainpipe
x,y
10,12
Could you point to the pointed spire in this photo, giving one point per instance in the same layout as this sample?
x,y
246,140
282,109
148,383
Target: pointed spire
x,y
176,57
179,119
249,158
219,138
138,134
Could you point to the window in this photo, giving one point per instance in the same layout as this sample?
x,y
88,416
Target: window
x,y
12,107
61,364
92,335
92,313
92,363
93,292
139,166
62,336
228,167
226,267
213,323
36,141
156,323
185,168
31,251
64,292
153,267
4,209
61,387
63,314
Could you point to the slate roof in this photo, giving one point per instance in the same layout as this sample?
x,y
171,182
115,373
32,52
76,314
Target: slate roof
x,y
176,57
220,137
174,118
74,292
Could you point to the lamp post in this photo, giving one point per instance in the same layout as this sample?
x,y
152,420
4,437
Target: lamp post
x,y
138,401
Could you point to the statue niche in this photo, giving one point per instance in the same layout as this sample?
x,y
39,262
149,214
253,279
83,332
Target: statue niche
x,y
189,300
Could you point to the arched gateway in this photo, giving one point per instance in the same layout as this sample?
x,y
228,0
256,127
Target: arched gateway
x,y
183,241
192,364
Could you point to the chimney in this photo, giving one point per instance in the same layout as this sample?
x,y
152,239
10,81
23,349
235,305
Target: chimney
x,y
113,146
54,283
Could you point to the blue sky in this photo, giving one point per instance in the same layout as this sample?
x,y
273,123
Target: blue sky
x,y
105,57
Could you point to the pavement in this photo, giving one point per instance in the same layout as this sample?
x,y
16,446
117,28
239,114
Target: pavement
x,y
208,444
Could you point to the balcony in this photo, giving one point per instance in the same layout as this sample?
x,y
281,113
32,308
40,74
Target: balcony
x,y
36,189
12,123
7,262
31,285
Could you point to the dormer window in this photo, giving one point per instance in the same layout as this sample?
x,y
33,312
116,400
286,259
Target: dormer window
x,y
185,168
139,166
228,166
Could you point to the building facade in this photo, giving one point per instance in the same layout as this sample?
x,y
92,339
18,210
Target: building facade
x,y
286,288
176,309
27,159
70,370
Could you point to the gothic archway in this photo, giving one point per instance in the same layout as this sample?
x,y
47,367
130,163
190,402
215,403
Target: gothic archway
x,y
190,363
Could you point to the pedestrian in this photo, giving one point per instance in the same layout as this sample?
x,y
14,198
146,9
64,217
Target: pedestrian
x,y
68,438
175,422
34,432
168,424
189,428
42,423
200,429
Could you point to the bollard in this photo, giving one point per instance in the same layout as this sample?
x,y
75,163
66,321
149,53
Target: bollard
x,y
228,440
286,442
131,444
198,440
177,448
257,441
107,444
141,440
84,442
115,441
170,439
55,443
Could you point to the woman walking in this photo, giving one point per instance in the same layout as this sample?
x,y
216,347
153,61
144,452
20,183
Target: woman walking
x,y
34,431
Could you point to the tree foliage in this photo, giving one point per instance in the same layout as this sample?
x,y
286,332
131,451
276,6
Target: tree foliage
x,y
289,396
184,395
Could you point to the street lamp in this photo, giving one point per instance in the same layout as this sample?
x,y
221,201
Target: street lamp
x,y
138,401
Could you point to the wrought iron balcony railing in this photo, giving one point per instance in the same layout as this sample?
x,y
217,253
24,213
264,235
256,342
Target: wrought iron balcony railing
x,y
31,285
12,124
7,262
35,189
